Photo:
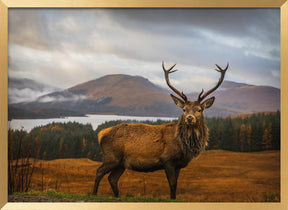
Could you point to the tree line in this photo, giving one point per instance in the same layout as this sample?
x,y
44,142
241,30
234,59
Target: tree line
x,y
257,132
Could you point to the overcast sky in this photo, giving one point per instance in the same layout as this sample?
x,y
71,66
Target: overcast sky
x,y
65,47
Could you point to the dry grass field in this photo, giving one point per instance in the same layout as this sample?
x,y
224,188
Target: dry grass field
x,y
216,176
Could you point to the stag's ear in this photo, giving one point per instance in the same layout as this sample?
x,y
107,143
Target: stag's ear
x,y
208,103
177,101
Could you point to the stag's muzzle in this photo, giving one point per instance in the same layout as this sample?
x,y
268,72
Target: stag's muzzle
x,y
190,119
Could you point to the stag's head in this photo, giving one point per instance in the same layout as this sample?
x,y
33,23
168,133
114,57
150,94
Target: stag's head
x,y
193,110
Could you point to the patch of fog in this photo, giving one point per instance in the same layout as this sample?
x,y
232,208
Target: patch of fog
x,y
60,98
16,95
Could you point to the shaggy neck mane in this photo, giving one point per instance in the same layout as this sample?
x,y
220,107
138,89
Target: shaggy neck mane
x,y
192,139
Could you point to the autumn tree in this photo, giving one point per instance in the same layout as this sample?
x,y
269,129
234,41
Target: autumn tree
x,y
267,138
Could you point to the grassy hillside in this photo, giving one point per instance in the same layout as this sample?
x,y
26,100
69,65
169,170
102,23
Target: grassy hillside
x,y
216,176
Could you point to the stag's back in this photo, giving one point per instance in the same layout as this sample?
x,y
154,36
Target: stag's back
x,y
136,146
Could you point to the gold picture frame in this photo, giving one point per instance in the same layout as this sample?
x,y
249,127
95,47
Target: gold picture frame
x,y
6,4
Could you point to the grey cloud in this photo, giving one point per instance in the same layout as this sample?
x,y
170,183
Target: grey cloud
x,y
262,25
237,22
90,43
156,33
27,27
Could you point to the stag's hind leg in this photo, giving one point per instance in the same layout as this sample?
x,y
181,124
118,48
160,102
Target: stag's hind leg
x,y
101,171
114,177
105,168
112,157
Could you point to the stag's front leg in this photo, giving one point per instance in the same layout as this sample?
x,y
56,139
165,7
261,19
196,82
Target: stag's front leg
x,y
172,174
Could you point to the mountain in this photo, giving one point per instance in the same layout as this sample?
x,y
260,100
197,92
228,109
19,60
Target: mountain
x,y
124,90
239,98
249,98
134,95
111,94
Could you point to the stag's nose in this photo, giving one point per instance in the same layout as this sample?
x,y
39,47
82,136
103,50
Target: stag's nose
x,y
191,119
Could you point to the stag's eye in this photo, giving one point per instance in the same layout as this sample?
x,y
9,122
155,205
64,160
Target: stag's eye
x,y
184,110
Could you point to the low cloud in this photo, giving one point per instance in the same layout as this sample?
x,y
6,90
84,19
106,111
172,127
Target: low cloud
x,y
25,95
60,98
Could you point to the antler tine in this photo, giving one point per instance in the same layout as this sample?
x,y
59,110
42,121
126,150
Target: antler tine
x,y
222,71
167,72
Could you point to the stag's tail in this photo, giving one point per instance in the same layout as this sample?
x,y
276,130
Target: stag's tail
x,y
108,134
103,133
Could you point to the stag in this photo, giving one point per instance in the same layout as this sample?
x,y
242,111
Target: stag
x,y
147,148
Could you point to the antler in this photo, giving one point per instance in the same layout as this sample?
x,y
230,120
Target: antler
x,y
222,71
167,72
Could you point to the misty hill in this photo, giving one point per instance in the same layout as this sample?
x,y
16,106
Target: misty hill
x,y
135,95
21,90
